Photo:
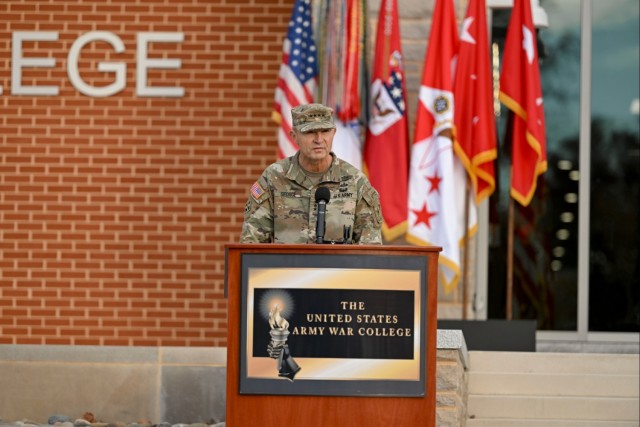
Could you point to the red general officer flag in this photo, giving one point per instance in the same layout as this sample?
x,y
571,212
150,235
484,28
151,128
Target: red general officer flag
x,y
521,92
475,142
386,149
433,213
297,79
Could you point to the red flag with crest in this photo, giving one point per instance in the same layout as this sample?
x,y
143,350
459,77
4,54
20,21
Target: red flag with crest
x,y
386,149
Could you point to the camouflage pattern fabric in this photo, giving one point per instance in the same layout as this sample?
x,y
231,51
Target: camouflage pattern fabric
x,y
282,208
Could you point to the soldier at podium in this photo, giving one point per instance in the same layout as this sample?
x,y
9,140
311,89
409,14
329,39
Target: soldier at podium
x,y
312,196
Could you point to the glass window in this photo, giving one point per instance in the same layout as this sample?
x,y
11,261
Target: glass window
x,y
614,261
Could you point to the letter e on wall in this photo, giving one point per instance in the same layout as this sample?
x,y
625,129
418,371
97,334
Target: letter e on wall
x,y
143,64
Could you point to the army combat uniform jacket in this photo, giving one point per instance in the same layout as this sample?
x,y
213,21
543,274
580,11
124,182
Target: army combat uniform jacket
x,y
282,208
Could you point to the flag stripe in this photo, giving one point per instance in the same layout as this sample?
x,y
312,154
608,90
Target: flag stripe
x,y
297,77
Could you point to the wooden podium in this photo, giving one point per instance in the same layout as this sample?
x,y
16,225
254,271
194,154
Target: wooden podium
x,y
366,402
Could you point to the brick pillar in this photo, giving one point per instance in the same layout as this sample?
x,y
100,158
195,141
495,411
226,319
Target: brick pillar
x,y
451,379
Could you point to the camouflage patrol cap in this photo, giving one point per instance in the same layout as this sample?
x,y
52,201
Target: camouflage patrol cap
x,y
311,117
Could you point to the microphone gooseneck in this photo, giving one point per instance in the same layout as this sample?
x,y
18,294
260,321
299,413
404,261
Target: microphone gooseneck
x,y
322,198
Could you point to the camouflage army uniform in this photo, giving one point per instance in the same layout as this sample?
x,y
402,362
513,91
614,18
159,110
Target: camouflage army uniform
x,y
282,208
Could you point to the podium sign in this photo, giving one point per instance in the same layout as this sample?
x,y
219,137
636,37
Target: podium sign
x,y
330,334
354,325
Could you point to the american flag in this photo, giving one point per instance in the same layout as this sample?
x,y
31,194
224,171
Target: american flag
x,y
297,79
256,190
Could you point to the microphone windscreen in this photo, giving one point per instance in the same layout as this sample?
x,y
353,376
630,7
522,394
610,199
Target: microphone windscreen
x,y
323,193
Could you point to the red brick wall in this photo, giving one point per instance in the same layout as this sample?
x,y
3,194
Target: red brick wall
x,y
114,211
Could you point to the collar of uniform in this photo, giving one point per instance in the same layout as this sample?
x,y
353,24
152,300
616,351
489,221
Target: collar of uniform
x,y
295,172
331,175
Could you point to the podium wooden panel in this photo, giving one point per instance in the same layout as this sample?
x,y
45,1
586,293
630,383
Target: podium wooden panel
x,y
248,410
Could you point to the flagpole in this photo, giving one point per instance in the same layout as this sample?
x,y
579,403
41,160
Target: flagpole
x,y
465,248
508,137
510,260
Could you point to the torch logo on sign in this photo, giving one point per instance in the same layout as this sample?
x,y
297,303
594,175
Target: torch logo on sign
x,y
274,306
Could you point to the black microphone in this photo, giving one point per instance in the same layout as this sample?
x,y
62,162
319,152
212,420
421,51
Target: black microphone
x,y
322,198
